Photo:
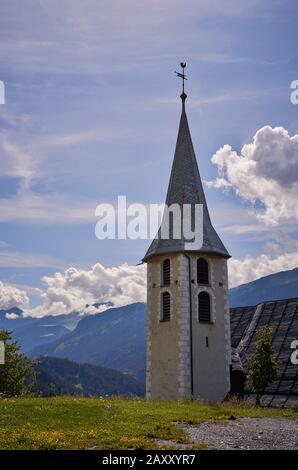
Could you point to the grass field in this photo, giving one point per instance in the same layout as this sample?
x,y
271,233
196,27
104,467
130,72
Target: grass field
x,y
112,423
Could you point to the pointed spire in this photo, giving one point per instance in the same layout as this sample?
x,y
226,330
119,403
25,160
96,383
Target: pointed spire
x,y
185,187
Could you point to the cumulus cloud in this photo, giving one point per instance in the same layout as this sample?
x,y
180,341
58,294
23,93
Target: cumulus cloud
x,y
74,288
264,173
11,296
78,289
249,268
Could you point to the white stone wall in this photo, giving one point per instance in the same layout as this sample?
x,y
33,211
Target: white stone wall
x,y
184,329
212,362
168,343
163,349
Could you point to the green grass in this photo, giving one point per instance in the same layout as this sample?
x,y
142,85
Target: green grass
x,y
112,423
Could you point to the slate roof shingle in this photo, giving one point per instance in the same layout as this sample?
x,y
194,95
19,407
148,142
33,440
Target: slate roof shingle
x,y
282,317
185,187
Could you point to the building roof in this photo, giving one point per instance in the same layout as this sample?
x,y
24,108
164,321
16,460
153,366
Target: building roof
x,y
282,317
185,187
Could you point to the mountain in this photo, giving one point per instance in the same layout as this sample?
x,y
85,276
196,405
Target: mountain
x,y
282,285
32,332
56,376
115,338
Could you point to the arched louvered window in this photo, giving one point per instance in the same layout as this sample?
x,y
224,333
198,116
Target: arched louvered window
x,y
204,307
166,272
165,306
202,271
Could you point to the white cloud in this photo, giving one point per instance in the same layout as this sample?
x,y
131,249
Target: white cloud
x,y
4,244
63,36
46,208
264,173
72,289
249,268
16,162
20,158
199,101
82,137
11,296
11,316
15,259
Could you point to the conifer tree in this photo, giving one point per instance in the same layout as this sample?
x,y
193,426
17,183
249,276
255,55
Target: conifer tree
x,y
16,374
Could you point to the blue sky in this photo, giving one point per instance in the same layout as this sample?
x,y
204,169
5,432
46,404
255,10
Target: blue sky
x,y
92,111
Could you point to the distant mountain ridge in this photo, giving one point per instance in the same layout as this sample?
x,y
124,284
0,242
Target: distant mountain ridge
x,y
33,331
115,338
278,286
57,376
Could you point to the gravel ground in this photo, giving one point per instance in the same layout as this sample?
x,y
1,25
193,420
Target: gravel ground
x,y
247,433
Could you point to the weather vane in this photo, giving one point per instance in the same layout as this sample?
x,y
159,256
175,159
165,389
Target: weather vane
x,y
182,75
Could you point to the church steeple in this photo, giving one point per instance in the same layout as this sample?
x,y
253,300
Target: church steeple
x,y
188,334
185,187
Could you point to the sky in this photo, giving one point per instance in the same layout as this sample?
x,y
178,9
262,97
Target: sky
x,y
92,111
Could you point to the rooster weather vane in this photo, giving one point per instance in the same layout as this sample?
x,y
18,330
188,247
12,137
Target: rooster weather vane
x,y
182,75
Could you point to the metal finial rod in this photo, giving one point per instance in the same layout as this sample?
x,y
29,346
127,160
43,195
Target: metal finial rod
x,y
182,75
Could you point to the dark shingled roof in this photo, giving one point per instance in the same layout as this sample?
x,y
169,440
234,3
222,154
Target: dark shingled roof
x,y
185,187
282,317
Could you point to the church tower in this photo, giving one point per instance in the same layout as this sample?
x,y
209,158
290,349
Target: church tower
x,y
188,332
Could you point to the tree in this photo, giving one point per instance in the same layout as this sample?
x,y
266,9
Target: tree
x,y
16,374
263,366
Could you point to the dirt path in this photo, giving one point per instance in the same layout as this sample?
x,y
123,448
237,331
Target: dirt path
x,y
246,433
